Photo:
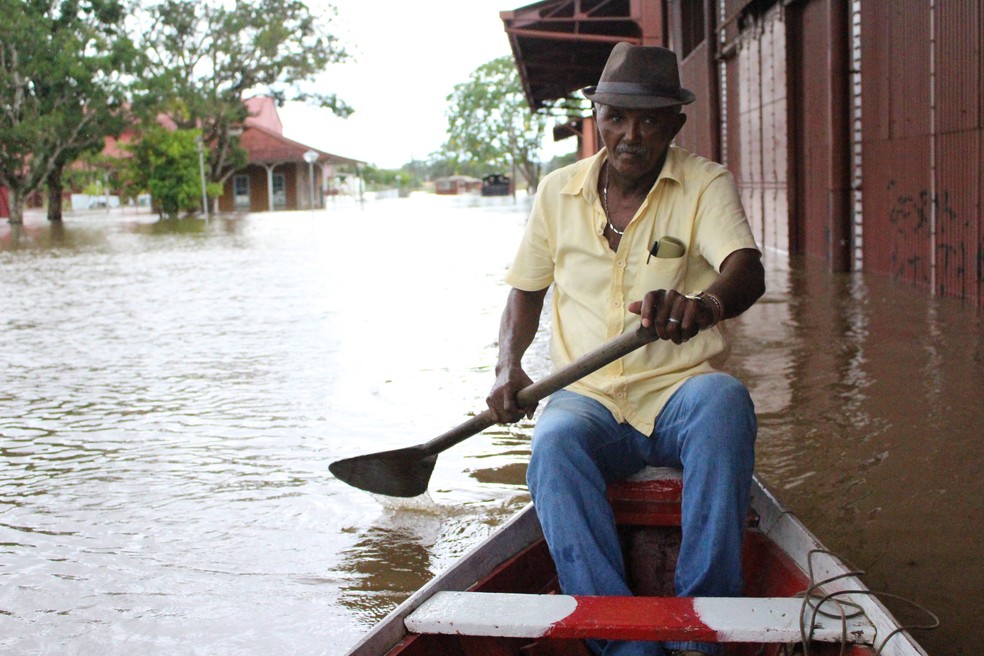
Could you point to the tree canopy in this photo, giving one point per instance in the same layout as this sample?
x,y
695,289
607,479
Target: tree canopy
x,y
490,126
63,71
165,163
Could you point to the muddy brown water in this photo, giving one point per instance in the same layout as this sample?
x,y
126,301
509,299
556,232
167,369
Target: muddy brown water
x,y
173,393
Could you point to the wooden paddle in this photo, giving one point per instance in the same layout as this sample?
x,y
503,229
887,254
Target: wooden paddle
x,y
406,472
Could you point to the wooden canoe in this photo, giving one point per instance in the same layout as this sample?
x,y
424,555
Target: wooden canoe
x,y
501,598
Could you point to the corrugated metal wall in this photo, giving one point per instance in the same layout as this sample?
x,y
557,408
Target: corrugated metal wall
x,y
922,144
758,117
699,132
855,131
959,124
896,174
881,97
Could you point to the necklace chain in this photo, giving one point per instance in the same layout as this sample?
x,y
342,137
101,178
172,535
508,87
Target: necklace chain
x,y
604,202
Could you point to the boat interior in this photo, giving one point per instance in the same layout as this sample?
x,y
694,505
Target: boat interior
x,y
648,516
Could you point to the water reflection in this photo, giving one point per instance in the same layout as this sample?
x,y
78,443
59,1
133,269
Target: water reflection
x,y
869,395
389,561
37,236
181,226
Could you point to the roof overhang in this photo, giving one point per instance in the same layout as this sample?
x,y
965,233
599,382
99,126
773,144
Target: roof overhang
x,y
561,46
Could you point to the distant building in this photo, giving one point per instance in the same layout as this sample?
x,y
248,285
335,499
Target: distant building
x,y
278,177
456,184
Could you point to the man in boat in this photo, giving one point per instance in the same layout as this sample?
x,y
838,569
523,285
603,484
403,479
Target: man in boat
x,y
642,228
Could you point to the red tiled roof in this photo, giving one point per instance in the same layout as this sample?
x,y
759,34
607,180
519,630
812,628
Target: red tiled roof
x,y
267,147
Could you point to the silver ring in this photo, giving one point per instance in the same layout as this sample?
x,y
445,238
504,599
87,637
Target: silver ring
x,y
672,320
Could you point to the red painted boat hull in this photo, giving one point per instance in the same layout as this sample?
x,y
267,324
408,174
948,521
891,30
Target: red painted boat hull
x,y
778,554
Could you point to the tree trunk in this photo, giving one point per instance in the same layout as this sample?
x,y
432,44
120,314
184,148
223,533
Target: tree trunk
x,y
55,193
16,201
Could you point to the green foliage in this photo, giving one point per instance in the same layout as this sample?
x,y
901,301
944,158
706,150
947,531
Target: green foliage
x,y
205,58
63,70
560,161
491,127
96,174
165,163
407,177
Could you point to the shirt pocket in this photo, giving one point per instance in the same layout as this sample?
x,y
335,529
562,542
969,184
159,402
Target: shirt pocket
x,y
660,273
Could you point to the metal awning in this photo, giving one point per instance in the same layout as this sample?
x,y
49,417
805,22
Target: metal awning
x,y
561,46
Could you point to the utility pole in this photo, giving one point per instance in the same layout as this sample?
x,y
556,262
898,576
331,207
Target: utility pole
x,y
201,170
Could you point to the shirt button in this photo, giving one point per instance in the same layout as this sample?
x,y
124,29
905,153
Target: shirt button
x,y
617,304
620,264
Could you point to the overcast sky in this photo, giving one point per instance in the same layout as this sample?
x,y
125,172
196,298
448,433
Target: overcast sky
x,y
410,55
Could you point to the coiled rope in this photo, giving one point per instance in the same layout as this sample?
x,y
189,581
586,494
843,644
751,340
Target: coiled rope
x,y
815,603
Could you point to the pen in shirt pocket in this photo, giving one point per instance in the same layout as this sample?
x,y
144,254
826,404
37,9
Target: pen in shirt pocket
x,y
667,247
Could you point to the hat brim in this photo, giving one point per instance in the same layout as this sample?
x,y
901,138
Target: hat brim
x,y
637,101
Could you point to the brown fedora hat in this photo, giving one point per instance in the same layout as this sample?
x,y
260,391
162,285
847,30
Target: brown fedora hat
x,y
640,77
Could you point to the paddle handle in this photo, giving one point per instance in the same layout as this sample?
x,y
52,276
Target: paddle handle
x,y
586,364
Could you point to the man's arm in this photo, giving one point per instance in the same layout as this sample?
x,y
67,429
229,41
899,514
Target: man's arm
x,y
740,283
518,327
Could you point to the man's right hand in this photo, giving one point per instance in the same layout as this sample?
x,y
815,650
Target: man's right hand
x,y
502,398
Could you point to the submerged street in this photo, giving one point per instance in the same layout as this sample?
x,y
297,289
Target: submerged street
x,y
174,392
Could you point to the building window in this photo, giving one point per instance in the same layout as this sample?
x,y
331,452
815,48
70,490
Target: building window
x,y
240,192
279,190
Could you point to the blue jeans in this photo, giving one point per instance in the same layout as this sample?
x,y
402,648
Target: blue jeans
x,y
707,429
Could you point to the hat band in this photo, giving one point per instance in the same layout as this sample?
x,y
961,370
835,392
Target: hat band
x,y
636,89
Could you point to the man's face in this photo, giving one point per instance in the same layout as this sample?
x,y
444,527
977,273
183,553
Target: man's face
x,y
636,139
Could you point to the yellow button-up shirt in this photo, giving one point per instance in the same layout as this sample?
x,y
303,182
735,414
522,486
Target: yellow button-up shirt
x,y
694,201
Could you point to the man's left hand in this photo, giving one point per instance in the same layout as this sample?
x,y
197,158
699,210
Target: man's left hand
x,y
672,315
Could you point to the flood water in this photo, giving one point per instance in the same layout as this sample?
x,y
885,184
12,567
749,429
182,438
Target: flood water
x,y
172,394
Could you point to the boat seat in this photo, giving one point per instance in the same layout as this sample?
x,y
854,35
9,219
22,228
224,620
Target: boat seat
x,y
706,619
651,498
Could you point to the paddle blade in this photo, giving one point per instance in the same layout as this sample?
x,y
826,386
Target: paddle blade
x,y
398,473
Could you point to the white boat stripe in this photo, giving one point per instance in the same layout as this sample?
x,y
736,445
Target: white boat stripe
x,y
777,619
490,614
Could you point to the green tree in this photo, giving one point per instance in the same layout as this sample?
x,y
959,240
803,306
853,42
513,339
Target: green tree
x,y
490,126
406,178
205,58
165,163
63,71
